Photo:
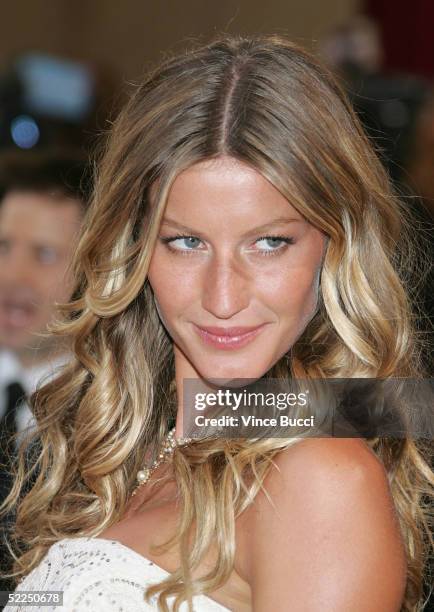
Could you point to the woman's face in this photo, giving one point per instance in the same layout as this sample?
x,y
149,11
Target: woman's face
x,y
234,271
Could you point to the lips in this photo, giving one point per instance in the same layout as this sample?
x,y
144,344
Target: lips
x,y
228,337
229,331
15,313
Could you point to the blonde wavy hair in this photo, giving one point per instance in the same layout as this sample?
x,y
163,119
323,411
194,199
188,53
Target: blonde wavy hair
x,y
270,104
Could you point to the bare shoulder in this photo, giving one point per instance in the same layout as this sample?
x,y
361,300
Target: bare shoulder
x,y
325,534
346,458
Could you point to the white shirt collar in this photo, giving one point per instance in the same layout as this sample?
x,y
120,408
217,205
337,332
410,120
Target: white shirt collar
x,y
12,370
30,377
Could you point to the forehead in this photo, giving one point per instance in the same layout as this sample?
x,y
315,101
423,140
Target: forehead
x,y
39,216
229,188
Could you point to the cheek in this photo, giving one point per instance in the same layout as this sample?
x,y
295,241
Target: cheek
x,y
63,292
159,277
161,293
52,279
172,291
294,295
174,281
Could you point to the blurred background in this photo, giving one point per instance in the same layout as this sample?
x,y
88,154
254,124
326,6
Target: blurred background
x,y
66,67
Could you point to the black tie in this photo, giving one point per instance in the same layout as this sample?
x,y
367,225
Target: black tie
x,y
15,395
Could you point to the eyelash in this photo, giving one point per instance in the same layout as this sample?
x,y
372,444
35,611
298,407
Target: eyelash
x,y
286,239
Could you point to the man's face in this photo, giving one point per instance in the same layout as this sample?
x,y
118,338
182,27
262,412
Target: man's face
x,y
37,237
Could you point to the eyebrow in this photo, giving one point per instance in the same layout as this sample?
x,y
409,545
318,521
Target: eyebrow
x,y
258,229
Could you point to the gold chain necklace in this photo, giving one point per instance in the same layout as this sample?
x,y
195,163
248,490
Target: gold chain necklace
x,y
166,450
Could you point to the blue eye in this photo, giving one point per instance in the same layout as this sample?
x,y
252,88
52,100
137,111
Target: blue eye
x,y
188,244
273,244
182,243
46,255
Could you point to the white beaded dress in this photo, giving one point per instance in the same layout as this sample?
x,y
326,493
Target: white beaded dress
x,y
99,575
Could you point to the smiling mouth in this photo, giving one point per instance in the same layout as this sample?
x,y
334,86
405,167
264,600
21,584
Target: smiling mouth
x,y
229,338
15,314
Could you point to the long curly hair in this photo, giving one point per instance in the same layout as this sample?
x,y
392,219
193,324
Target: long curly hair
x,y
268,103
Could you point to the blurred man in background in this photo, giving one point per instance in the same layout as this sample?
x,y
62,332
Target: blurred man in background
x,y
42,201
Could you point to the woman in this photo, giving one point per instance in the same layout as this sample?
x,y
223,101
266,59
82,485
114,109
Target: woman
x,y
241,227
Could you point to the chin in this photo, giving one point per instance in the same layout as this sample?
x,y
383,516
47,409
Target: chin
x,y
14,342
231,375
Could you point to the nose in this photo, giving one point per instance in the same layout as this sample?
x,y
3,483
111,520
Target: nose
x,y
226,288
